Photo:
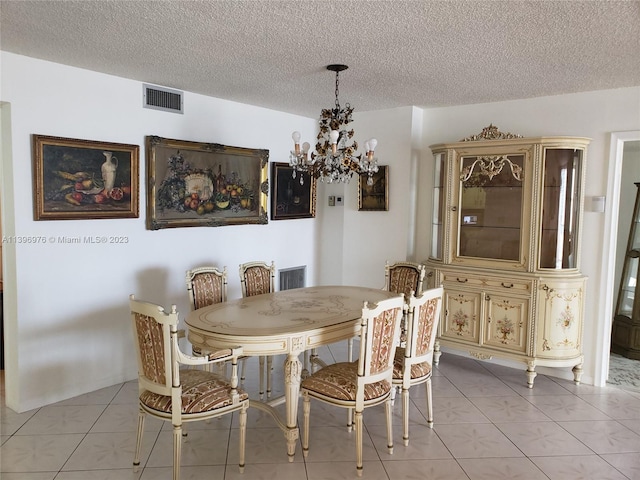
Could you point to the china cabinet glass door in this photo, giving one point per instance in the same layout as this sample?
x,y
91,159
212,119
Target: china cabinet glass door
x,y
560,204
491,197
438,207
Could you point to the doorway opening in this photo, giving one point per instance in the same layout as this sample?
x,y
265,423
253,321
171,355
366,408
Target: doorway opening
x,y
608,283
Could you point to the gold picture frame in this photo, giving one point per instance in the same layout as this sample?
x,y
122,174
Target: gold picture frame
x,y
78,179
197,184
375,197
291,199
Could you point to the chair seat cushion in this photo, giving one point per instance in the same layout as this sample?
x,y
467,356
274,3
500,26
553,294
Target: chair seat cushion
x,y
418,370
339,381
202,391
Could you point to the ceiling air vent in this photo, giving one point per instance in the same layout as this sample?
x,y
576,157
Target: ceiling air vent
x,y
160,98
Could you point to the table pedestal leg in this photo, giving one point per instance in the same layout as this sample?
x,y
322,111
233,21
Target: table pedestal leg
x,y
292,371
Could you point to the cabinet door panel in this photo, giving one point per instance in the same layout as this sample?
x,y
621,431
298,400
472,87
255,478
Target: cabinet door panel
x,y
560,326
507,322
462,313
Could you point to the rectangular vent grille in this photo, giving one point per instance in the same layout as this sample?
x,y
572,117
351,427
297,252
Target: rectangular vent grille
x,y
292,277
160,98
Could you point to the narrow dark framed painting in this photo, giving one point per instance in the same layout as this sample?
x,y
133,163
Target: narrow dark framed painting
x,y
291,198
197,184
374,197
76,179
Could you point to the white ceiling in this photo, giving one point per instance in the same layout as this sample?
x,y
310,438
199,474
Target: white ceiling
x,y
274,53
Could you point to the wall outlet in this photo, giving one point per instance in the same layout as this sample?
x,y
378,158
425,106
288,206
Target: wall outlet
x,y
332,201
339,201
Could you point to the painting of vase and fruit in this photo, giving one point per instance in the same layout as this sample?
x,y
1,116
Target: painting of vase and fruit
x,y
193,184
83,179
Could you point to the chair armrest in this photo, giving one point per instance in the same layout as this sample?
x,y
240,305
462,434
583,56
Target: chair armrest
x,y
212,357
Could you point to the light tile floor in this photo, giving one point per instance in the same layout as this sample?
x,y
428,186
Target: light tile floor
x,y
488,425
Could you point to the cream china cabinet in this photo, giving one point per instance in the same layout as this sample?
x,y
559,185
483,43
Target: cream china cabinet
x,y
506,248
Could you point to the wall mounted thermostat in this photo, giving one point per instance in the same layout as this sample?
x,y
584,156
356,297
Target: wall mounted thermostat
x,y
332,201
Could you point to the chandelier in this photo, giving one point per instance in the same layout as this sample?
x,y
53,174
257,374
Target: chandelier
x,y
334,159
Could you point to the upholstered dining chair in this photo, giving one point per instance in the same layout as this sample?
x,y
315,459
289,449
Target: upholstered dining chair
x,y
207,286
257,278
404,277
180,395
413,363
365,382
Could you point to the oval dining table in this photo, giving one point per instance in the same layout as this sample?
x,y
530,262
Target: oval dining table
x,y
287,322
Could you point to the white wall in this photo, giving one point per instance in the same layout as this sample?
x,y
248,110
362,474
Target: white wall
x,y
591,114
369,238
71,333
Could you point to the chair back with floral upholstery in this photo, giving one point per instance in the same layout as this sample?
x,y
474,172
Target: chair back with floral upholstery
x,y
206,286
403,277
379,335
257,278
153,330
422,326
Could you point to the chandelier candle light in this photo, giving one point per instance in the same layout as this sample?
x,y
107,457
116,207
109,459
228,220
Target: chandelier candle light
x,y
335,158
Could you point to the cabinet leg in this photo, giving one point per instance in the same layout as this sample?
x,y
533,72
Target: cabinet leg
x,y
436,353
577,373
531,374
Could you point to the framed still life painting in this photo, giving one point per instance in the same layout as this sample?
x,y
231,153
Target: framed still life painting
x,y
194,184
84,179
290,197
374,197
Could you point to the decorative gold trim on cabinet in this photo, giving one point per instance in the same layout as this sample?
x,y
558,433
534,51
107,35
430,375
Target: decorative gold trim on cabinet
x,y
491,133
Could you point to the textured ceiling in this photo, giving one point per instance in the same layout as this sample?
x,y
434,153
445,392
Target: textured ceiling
x,y
274,53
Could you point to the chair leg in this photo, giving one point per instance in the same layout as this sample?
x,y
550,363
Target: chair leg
x,y
243,370
177,450
261,364
358,422
429,404
350,350
243,436
269,368
349,419
405,416
388,409
306,409
136,458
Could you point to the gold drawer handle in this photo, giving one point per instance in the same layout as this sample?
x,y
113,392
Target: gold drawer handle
x,y
464,280
507,286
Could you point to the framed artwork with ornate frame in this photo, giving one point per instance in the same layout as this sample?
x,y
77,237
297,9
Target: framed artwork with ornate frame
x,y
290,198
197,184
84,179
374,197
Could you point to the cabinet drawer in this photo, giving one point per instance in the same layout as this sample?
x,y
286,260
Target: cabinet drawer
x,y
494,283
457,279
511,285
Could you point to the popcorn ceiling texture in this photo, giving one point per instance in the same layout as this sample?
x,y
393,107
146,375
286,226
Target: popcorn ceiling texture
x,y
274,53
